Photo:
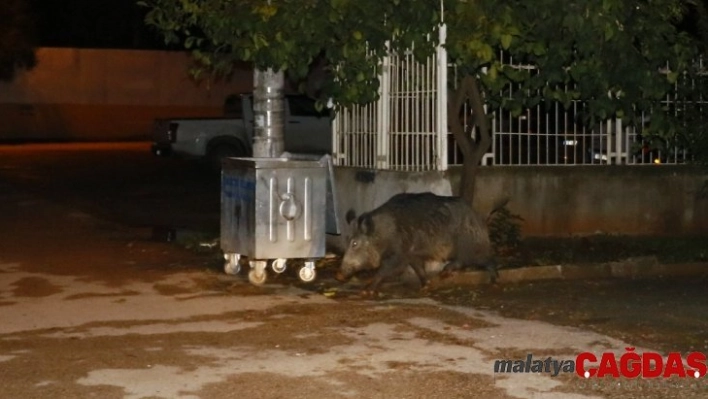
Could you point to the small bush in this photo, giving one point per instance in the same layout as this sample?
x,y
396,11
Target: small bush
x,y
505,230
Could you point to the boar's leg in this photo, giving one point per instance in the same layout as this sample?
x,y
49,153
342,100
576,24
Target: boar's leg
x,y
391,266
449,268
491,266
419,268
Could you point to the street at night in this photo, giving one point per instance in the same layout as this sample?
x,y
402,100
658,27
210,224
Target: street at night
x,y
94,303
521,190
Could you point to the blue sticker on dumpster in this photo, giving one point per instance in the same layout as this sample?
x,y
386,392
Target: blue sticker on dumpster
x,y
238,189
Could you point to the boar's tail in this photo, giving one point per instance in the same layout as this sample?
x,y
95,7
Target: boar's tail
x,y
499,204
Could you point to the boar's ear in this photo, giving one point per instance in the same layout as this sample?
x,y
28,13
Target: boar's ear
x,y
366,224
351,215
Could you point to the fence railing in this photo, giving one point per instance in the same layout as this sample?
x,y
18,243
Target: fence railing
x,y
407,130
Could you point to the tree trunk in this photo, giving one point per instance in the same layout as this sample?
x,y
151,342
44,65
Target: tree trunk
x,y
268,113
472,150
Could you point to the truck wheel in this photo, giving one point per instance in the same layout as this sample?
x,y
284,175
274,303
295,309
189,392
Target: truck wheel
x,y
218,152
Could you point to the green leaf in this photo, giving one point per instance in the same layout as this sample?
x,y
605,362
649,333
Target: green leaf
x,y
539,48
485,53
672,77
189,42
492,72
506,41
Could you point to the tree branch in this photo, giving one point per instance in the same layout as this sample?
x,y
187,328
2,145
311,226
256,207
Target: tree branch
x,y
472,151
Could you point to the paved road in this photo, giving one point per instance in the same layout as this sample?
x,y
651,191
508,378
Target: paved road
x,y
95,308
121,182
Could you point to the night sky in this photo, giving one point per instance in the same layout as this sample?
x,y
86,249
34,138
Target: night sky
x,y
94,24
120,24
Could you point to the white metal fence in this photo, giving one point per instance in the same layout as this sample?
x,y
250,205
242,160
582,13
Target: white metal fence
x,y
406,129
551,134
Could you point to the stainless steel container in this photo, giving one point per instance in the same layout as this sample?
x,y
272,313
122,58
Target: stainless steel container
x,y
272,208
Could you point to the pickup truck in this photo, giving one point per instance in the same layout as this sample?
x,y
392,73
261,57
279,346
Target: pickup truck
x,y
307,130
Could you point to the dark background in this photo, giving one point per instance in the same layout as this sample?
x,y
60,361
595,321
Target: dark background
x,y
120,24
117,24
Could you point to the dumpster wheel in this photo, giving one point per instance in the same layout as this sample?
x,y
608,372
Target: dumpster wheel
x,y
232,266
307,273
257,275
279,265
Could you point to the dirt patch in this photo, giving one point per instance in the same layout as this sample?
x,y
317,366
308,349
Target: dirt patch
x,y
397,384
102,295
293,333
634,388
666,314
35,287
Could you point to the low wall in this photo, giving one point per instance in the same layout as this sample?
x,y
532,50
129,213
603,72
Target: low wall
x,y
557,201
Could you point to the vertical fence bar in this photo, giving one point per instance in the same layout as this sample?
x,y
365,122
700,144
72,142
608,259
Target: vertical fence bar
x,y
619,132
441,104
383,118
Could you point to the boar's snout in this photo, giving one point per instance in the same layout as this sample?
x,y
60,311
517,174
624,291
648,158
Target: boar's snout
x,y
341,277
347,269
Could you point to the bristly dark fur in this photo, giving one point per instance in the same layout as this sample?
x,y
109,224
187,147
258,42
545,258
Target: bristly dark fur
x,y
412,229
351,215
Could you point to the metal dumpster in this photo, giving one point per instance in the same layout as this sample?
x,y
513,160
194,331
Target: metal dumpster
x,y
272,210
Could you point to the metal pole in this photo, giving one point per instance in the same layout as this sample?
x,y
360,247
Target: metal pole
x,y
269,113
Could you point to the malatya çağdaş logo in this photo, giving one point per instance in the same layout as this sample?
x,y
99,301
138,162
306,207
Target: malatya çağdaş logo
x,y
629,365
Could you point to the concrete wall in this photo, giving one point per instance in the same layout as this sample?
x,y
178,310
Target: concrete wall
x,y
92,94
556,201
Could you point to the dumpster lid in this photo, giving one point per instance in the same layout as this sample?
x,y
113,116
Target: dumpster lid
x,y
270,163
